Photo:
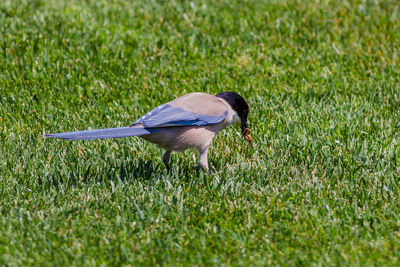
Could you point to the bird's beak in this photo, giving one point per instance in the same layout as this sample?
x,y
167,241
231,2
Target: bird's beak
x,y
246,133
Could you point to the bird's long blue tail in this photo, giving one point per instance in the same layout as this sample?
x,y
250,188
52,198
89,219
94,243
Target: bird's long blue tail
x,y
103,133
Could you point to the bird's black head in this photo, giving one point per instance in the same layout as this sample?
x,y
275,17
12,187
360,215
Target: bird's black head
x,y
239,105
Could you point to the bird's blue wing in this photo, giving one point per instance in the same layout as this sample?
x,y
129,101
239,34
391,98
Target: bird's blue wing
x,y
167,116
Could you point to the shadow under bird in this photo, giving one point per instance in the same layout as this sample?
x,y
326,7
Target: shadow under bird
x,y
189,121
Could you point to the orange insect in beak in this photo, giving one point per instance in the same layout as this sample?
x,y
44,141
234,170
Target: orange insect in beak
x,y
247,136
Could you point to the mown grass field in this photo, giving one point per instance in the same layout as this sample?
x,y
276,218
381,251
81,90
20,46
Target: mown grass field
x,y
320,185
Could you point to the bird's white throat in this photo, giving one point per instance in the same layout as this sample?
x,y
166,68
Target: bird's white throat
x,y
235,118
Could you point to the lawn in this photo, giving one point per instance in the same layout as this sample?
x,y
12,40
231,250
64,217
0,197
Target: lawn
x,y
319,186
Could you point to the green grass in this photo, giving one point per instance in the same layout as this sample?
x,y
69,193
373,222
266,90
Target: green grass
x,y
320,185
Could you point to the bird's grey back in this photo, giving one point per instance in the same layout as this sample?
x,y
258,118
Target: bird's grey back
x,y
200,103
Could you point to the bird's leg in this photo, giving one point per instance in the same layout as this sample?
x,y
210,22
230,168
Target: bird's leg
x,y
204,158
166,157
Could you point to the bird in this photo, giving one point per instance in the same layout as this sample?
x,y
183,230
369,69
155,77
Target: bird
x,y
189,121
